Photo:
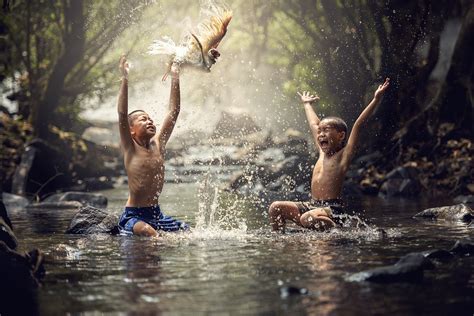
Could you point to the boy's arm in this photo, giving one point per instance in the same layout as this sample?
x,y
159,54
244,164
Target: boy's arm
x,y
173,112
122,107
354,136
311,115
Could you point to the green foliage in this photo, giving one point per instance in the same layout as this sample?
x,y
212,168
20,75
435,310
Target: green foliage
x,y
56,53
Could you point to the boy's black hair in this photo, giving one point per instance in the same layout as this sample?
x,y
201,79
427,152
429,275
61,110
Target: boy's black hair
x,y
339,125
130,116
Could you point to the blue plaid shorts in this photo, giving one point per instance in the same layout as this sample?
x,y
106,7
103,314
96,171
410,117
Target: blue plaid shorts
x,y
151,215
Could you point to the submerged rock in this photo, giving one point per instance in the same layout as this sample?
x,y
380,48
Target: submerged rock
x,y
408,269
463,248
453,212
86,198
91,220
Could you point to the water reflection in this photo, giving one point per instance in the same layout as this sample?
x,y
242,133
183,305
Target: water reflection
x,y
220,267
142,281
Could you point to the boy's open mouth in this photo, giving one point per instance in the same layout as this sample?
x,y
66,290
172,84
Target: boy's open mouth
x,y
323,143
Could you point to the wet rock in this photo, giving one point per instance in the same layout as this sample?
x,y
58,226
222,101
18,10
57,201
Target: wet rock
x,y
401,181
367,160
439,255
400,187
238,180
367,186
454,212
286,291
13,201
403,173
21,173
463,248
91,220
92,199
465,199
62,251
7,235
4,214
382,233
234,125
270,155
19,276
65,205
121,180
100,136
408,269
42,169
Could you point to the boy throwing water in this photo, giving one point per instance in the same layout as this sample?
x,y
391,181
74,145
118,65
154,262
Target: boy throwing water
x,y
335,153
144,152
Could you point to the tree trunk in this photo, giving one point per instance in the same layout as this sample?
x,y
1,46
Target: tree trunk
x,y
74,40
457,106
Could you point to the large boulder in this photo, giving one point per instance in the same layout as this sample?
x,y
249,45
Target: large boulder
x,y
19,279
92,199
408,269
367,160
400,187
91,220
401,181
463,248
13,201
7,235
459,212
43,168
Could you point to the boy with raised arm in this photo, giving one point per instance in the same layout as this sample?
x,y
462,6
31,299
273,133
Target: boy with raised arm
x,y
335,153
144,153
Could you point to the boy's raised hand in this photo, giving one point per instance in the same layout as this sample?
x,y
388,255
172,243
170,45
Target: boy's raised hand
x,y
306,97
124,66
381,89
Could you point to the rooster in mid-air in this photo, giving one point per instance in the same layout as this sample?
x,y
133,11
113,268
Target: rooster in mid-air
x,y
198,49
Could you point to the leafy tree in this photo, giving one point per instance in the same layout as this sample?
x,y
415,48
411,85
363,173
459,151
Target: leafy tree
x,y
344,48
55,54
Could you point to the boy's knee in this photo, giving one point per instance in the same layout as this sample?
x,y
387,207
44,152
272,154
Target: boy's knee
x,y
274,209
307,221
144,229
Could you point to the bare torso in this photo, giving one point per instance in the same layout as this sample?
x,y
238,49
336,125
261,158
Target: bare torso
x,y
145,170
328,176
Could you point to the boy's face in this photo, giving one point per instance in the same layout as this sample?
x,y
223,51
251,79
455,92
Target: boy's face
x,y
142,125
329,138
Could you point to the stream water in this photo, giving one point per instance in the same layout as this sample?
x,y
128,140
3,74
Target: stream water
x,y
231,263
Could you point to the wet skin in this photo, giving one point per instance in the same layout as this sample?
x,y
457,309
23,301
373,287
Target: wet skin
x,y
144,148
331,167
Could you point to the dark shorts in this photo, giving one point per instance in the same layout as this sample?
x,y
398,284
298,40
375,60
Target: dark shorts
x,y
151,215
335,205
